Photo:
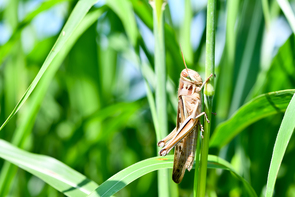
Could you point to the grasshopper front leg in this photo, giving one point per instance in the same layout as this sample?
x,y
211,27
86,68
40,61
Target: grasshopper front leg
x,y
200,88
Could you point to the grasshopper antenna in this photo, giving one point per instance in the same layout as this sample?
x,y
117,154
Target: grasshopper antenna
x,y
184,62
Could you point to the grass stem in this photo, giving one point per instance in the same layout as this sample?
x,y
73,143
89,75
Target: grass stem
x,y
208,95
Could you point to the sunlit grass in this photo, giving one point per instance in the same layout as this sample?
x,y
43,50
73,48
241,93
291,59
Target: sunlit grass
x,y
93,106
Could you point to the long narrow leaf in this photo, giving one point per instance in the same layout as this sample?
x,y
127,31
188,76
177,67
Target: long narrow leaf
x,y
258,108
161,97
77,15
24,128
282,141
50,170
253,36
126,176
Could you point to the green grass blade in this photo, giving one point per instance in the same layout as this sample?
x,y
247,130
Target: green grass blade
x,y
6,48
215,162
158,9
150,97
266,13
282,141
126,176
75,18
271,70
25,126
43,85
160,70
200,183
144,13
286,8
161,97
237,99
185,33
123,8
50,170
226,70
256,109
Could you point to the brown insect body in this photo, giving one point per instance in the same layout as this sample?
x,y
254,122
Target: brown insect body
x,y
184,136
189,99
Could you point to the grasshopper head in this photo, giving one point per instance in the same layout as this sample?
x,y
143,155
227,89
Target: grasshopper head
x,y
191,76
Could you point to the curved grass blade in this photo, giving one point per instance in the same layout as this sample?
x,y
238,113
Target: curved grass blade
x,y
40,91
25,126
215,162
50,170
75,18
282,141
256,109
126,176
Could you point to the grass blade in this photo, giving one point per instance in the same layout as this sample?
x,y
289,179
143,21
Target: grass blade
x,y
75,18
237,99
123,8
161,98
256,109
25,127
160,70
266,13
53,172
128,175
200,183
282,141
225,76
286,8
6,48
185,33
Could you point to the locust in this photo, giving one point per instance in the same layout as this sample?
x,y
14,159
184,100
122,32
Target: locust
x,y
184,136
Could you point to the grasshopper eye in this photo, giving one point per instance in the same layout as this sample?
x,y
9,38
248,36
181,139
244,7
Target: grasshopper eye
x,y
184,74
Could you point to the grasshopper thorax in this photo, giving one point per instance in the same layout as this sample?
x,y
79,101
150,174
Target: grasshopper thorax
x,y
191,76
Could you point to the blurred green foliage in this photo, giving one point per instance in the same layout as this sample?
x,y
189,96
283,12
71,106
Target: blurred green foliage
x,y
92,113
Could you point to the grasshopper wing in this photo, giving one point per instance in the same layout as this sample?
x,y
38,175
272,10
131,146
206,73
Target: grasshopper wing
x,y
184,153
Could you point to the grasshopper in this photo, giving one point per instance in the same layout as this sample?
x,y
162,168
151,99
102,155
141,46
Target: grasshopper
x,y
184,136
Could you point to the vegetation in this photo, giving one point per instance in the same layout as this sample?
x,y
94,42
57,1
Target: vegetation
x,y
88,88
